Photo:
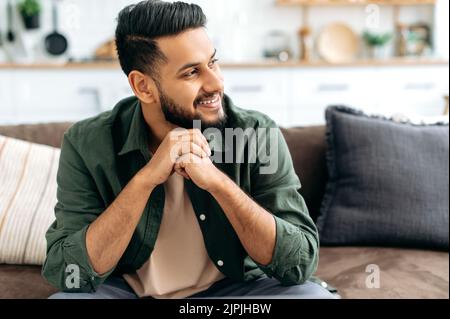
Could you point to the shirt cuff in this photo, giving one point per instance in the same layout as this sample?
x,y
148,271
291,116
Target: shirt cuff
x,y
76,254
274,265
288,261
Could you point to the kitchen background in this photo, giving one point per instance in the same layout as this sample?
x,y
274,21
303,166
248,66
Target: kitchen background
x,y
287,58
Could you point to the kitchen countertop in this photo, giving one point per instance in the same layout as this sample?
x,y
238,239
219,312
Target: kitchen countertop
x,y
254,64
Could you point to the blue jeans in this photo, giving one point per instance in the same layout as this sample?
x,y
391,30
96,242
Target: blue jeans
x,y
261,288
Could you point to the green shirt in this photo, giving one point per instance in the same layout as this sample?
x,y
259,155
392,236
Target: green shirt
x,y
100,155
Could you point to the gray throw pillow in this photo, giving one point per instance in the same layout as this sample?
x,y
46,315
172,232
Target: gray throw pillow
x,y
388,182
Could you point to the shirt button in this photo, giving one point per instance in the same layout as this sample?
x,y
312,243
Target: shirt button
x,y
202,217
220,263
324,284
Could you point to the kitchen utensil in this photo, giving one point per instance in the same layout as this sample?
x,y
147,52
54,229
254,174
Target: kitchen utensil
x,y
55,43
402,39
276,45
446,105
306,43
337,43
107,51
2,54
10,33
1,38
419,43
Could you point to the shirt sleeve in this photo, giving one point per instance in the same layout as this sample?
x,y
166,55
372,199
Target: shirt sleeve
x,y
67,265
275,187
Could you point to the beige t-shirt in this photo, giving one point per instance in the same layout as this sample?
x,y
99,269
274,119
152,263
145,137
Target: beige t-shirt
x,y
179,265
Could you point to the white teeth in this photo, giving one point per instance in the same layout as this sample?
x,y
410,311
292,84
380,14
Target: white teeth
x,y
209,102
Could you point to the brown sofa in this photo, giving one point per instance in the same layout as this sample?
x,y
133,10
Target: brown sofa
x,y
404,273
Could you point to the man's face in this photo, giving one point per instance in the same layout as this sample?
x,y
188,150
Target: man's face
x,y
191,84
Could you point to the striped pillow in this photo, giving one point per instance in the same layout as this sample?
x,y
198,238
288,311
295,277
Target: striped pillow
x,y
27,199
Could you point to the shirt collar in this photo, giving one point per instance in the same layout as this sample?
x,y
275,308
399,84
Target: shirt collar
x,y
137,138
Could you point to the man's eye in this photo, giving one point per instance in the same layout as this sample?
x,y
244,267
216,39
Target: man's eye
x,y
190,74
213,62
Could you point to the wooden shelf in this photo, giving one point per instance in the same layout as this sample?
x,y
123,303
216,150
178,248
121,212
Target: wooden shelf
x,y
56,66
395,4
357,63
237,65
354,2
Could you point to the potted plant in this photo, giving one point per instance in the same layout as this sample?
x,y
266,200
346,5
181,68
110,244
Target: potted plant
x,y
30,11
376,43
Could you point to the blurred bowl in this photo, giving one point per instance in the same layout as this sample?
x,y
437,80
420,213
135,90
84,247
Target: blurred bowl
x,y
337,43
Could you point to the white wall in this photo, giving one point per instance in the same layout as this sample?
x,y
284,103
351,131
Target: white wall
x,y
442,29
237,27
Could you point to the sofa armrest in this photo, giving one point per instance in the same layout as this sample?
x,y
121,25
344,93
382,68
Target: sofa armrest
x,y
49,134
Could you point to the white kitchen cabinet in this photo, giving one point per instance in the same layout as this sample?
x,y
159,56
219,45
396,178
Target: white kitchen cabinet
x,y
34,96
291,96
51,96
412,91
415,90
263,90
313,90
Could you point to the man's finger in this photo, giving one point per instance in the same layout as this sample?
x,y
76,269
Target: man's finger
x,y
199,139
191,147
182,172
189,158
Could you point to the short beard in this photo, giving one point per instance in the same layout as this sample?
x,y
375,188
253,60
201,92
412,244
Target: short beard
x,y
175,114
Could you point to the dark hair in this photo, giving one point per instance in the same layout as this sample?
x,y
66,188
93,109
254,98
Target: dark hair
x,y
139,25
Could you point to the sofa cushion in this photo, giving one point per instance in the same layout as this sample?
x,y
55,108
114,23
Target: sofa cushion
x,y
27,199
388,182
23,282
403,273
307,147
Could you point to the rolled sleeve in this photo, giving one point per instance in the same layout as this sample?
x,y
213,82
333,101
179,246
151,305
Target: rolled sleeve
x,y
67,265
294,259
295,256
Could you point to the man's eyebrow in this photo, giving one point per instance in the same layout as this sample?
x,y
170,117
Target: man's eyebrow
x,y
190,65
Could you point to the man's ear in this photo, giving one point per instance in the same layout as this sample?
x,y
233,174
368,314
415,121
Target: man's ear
x,y
143,86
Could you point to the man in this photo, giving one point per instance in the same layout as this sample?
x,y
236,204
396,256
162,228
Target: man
x,y
143,211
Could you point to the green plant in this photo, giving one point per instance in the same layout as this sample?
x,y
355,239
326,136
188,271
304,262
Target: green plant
x,y
29,8
376,39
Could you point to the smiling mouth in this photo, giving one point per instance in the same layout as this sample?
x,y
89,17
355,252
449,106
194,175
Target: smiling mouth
x,y
211,103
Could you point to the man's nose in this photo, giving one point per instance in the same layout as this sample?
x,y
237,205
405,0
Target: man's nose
x,y
213,82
